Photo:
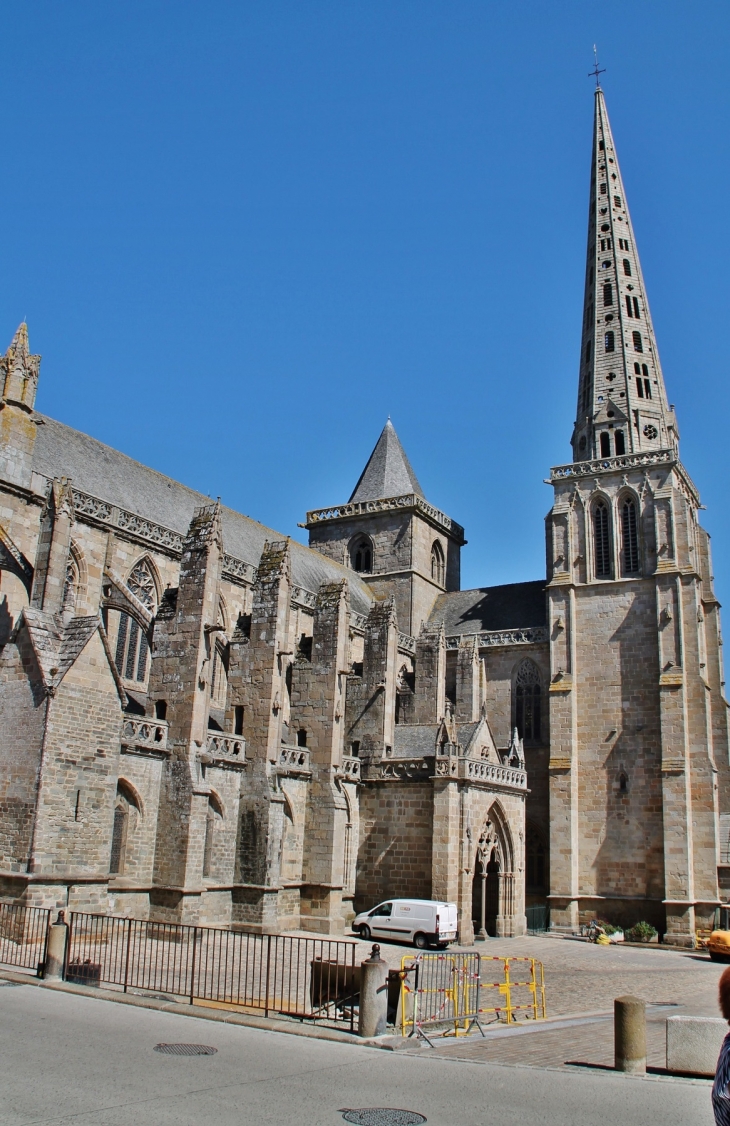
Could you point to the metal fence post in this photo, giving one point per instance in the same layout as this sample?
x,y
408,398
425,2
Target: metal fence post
x,y
56,943
268,968
192,967
126,959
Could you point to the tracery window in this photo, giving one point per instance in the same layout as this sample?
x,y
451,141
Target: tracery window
x,y
527,700
629,538
124,806
438,565
601,541
132,653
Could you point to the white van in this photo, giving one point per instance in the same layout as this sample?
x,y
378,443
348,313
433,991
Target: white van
x,y
424,922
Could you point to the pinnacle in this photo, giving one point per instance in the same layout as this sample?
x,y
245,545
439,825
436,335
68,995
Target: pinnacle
x,y
388,472
19,343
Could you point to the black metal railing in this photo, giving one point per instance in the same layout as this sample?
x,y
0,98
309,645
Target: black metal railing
x,y
23,936
307,978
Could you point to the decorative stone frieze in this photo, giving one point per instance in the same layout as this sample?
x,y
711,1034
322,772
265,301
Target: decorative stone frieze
x,y
531,635
388,504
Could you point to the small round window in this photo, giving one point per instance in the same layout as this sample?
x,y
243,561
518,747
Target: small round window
x,y
651,432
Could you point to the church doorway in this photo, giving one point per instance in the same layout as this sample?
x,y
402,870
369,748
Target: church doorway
x,y
485,893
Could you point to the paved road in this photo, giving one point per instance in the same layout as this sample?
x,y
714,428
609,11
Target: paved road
x,y
77,1060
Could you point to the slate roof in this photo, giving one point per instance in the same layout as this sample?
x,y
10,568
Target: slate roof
x,y
512,606
388,472
418,740
61,451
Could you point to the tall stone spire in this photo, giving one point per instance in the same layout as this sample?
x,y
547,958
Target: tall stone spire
x,y
622,401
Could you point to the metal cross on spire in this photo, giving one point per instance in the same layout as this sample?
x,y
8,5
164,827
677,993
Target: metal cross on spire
x,y
596,69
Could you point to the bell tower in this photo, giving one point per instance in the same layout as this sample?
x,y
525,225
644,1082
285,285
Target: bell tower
x,y
639,780
400,544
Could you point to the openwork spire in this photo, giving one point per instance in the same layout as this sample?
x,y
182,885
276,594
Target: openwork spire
x,y
622,401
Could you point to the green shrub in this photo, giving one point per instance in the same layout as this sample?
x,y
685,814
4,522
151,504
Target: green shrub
x,y
641,932
609,928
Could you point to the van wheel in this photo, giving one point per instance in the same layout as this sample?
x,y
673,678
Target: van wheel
x,y
365,932
719,957
420,942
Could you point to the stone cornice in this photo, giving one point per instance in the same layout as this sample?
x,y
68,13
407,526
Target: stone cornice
x,y
530,635
408,502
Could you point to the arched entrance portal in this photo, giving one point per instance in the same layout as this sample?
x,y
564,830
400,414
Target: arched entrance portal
x,y
493,884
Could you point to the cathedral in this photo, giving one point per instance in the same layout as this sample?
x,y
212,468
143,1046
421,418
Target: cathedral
x,y
202,720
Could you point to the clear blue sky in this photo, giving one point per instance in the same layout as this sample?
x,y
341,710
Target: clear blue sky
x,y
244,233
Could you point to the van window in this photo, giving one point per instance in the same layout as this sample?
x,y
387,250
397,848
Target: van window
x,y
385,909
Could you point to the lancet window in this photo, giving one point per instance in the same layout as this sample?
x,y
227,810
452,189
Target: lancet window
x,y
438,564
361,555
527,701
602,541
629,537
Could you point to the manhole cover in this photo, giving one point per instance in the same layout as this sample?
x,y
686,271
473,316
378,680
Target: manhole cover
x,y
190,1050
383,1116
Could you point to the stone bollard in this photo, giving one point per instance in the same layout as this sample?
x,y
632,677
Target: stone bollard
x,y
56,949
629,1035
373,995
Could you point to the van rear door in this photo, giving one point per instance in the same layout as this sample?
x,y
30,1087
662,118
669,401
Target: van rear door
x,y
448,922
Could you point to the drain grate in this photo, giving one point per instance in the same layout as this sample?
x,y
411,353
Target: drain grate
x,y
185,1049
383,1116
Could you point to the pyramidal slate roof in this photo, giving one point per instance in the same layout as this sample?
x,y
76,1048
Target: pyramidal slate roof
x,y
388,473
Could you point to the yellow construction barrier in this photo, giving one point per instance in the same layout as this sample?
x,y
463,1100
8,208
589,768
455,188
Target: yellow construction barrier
x,y
447,992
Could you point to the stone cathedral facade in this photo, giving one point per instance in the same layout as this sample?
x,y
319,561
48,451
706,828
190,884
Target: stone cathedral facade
x,y
202,720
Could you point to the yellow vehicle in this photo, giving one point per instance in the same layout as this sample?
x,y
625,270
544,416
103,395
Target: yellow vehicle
x,y
719,946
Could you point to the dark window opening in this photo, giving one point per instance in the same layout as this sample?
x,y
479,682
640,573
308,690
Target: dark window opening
x,y
355,748
305,648
629,538
647,389
627,267
132,650
610,342
605,445
357,668
617,200
603,189
238,719
639,387
362,556
629,310
623,783
301,737
602,146
601,541
119,840
638,343
161,709
620,443
608,294
637,309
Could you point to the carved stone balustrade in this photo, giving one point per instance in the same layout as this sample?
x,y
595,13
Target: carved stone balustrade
x,y
406,643
144,736
293,760
453,765
530,635
224,749
350,769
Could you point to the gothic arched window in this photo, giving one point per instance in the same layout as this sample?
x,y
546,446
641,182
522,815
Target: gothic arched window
x,y
361,555
219,677
527,701
610,342
132,652
601,541
629,538
124,805
627,268
438,565
638,342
